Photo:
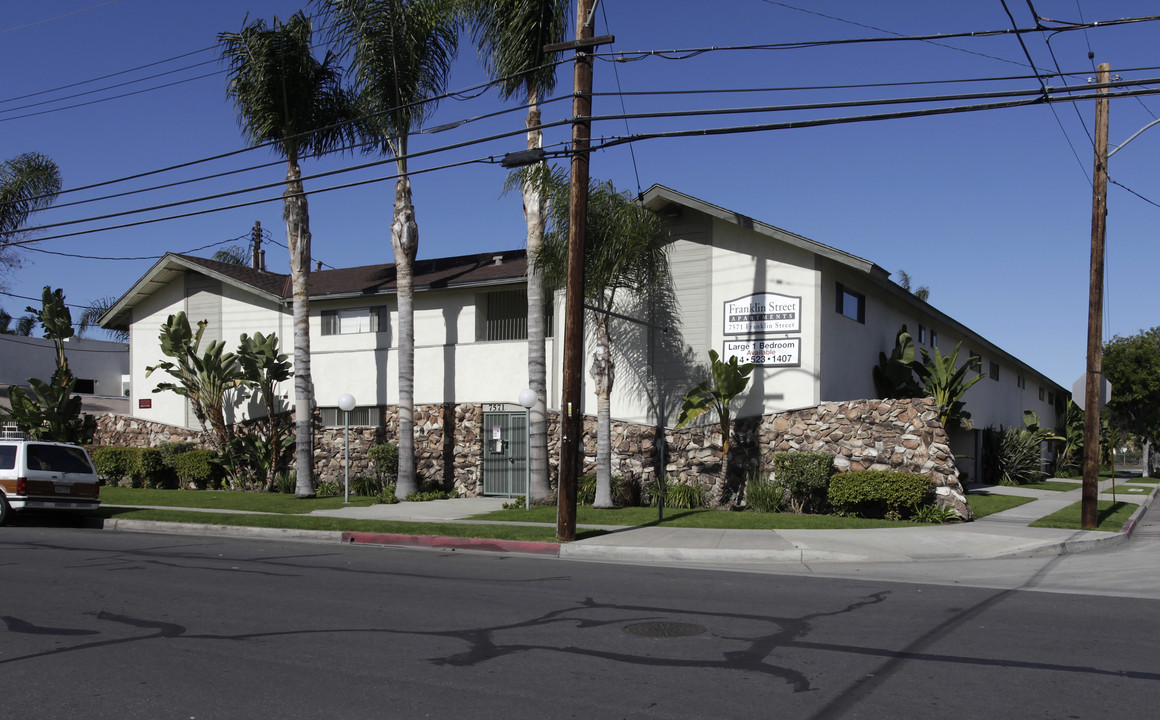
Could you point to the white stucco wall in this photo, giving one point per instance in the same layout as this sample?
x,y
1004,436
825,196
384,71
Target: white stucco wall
x,y
35,357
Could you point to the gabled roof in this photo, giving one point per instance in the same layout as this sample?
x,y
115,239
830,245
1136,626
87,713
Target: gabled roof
x,y
658,198
463,271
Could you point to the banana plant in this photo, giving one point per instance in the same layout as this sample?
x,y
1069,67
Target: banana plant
x,y
203,379
729,379
943,380
49,412
894,375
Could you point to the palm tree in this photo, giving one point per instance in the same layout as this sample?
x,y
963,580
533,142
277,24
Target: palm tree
x,y
401,53
625,258
510,36
28,183
287,97
91,316
24,324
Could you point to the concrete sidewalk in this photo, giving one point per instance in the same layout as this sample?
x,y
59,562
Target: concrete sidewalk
x,y
1004,534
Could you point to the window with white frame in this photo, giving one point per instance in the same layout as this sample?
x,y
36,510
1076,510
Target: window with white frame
x,y
933,339
349,321
921,334
994,371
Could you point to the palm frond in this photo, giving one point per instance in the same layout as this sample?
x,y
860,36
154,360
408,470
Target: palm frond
x,y
28,183
282,93
510,36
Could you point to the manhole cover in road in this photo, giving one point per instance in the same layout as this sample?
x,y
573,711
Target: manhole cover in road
x,y
665,629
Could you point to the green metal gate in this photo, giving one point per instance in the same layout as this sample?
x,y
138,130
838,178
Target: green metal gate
x,y
505,453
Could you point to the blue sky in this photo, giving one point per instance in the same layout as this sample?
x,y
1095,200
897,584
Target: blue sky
x,y
991,210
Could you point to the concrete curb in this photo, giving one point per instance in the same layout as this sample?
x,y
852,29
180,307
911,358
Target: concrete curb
x,y
453,543
1130,525
198,529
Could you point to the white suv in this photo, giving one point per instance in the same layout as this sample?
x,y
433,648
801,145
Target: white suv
x,y
45,475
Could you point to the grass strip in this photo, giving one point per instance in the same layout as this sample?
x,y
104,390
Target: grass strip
x,y
1055,485
984,503
1110,516
296,522
226,500
698,518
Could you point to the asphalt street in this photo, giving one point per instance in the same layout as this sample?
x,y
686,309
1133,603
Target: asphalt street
x,y
127,625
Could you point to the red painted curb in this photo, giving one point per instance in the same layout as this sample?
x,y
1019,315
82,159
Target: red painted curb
x,y
453,543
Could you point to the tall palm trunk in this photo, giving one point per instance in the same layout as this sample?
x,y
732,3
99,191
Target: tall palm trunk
x,y
405,241
298,236
603,372
534,214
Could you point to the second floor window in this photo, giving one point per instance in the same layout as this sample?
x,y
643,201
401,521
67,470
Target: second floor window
x,y
353,320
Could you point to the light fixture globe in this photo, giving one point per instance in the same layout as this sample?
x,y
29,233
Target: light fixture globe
x,y
346,402
528,398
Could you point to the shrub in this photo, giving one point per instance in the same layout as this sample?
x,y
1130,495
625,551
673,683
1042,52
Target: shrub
x,y
683,496
806,477
424,496
586,489
385,460
763,493
149,469
197,467
622,490
365,486
285,482
878,494
935,514
387,496
1018,458
113,463
327,489
518,503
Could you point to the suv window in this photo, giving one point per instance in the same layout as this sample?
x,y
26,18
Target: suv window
x,y
7,457
56,458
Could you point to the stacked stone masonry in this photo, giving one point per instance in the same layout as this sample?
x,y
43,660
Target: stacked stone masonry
x,y
901,435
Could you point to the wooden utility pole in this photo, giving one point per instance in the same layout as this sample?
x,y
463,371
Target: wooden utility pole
x,y
1089,515
571,415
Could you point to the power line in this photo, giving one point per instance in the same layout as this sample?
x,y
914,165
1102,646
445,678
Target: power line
x,y
861,118
139,257
58,17
106,77
103,89
666,115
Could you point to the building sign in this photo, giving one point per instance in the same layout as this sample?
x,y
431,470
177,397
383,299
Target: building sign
x,y
145,404
763,313
765,352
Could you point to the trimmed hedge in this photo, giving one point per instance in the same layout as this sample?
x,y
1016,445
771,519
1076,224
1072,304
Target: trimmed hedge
x,y
197,467
879,494
806,477
113,464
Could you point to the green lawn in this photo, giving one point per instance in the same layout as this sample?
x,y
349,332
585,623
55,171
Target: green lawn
x,y
1130,490
984,503
225,500
702,518
534,533
1110,518
1056,485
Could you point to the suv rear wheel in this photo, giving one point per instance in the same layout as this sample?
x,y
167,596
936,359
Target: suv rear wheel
x,y
5,511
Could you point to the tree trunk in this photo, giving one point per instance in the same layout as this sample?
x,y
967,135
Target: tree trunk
x,y
603,372
1147,458
534,214
298,239
405,241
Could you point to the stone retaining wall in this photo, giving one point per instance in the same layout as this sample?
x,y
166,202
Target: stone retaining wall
x,y
902,435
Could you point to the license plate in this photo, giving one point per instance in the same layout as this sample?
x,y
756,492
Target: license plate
x,y
63,489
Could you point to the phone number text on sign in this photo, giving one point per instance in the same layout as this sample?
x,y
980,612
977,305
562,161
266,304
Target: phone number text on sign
x,y
780,352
